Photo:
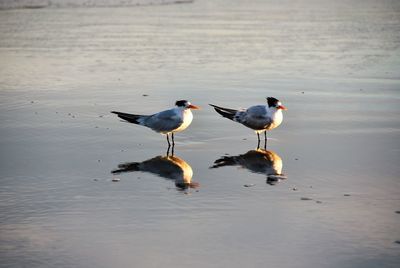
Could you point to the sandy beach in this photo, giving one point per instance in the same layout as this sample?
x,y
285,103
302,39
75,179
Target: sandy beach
x,y
333,65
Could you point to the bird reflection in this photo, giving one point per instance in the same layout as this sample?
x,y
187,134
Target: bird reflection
x,y
169,167
258,161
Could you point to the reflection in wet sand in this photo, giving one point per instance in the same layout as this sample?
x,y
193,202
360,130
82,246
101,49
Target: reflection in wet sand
x,y
169,167
258,161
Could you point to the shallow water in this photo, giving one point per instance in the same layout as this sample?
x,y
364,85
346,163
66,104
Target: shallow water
x,y
334,65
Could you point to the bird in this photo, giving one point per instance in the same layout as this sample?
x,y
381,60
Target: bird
x,y
168,166
164,122
260,118
258,161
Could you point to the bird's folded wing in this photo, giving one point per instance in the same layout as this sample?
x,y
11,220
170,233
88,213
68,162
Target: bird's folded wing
x,y
164,121
255,117
257,111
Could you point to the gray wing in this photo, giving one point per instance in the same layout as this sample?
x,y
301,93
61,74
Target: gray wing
x,y
255,117
164,121
257,110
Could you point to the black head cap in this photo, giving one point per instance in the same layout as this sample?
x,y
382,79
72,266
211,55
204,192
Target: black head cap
x,y
272,102
181,103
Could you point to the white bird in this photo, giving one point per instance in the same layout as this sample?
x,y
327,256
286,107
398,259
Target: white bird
x,y
260,118
165,122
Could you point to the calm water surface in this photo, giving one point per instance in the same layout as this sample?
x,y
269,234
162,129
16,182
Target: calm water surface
x,y
334,65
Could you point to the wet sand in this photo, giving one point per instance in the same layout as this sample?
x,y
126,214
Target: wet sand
x,y
334,65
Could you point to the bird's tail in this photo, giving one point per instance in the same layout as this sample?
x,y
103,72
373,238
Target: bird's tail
x,y
132,118
126,167
225,112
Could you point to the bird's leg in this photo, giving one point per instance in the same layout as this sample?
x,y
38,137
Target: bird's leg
x,y
172,150
265,140
169,144
173,143
258,143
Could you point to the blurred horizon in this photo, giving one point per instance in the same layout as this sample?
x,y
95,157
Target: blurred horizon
x,y
31,4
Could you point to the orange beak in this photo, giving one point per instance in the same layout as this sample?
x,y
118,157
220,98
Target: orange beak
x,y
282,107
194,107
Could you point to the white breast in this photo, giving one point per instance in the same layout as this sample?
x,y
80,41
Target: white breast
x,y
277,118
187,120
